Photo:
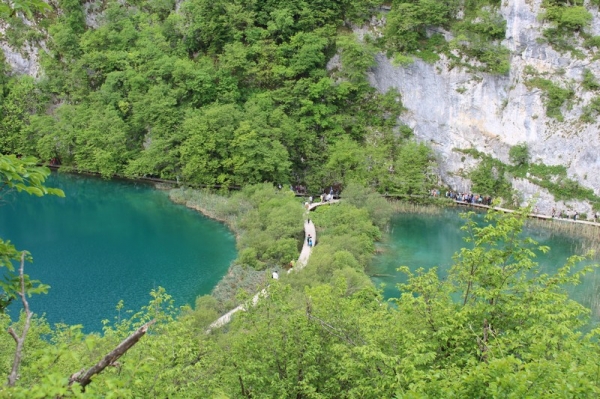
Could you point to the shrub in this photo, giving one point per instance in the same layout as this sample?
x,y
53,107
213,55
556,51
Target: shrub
x,y
574,18
591,111
555,96
589,80
519,154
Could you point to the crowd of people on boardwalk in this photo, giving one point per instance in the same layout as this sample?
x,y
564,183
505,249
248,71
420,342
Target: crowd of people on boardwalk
x,y
468,197
571,214
325,197
471,198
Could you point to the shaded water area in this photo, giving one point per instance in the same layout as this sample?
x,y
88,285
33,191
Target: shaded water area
x,y
424,240
113,240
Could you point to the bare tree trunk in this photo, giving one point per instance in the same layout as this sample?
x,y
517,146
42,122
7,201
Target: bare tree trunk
x,y
14,373
85,377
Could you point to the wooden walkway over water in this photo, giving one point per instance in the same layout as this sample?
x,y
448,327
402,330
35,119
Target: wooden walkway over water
x,y
309,229
531,215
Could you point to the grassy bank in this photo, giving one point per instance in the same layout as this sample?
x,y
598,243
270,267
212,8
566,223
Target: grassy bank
x,y
268,224
588,234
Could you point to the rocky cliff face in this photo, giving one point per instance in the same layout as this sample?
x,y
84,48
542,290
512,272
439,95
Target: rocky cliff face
x,y
452,108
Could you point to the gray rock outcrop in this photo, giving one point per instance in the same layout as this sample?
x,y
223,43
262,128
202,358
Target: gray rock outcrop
x,y
453,108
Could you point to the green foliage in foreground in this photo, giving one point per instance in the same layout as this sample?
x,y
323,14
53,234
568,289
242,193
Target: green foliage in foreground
x,y
495,327
20,175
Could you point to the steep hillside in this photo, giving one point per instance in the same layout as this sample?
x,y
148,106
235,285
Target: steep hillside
x,y
208,93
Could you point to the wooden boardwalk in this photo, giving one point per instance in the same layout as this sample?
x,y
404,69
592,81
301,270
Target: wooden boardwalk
x,y
309,228
531,215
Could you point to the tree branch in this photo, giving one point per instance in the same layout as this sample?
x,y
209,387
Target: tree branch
x,y
85,377
14,373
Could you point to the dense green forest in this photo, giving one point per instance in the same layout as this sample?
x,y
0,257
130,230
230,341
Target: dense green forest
x,y
210,92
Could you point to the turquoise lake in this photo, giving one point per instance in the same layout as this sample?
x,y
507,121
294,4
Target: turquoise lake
x,y
420,240
109,241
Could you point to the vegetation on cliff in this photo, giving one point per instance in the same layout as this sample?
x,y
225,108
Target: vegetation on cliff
x,y
493,176
421,29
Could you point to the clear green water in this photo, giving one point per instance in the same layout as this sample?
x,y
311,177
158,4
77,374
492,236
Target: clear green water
x,y
113,240
431,240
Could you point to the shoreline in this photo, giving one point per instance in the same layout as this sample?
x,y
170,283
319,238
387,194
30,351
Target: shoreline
x,y
205,212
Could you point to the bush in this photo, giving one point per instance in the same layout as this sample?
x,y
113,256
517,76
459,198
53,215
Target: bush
x,y
555,96
591,111
519,154
589,80
574,18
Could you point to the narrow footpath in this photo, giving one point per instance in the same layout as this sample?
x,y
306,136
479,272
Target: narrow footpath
x,y
309,229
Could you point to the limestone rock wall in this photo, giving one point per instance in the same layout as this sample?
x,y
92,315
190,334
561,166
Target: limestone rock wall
x,y
453,108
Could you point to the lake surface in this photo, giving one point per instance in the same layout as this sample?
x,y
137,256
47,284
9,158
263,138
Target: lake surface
x,y
419,240
113,240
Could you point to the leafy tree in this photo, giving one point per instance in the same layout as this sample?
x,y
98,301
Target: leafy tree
x,y
410,169
489,178
347,162
575,18
21,175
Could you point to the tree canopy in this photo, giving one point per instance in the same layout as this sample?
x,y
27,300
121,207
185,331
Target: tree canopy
x,y
228,93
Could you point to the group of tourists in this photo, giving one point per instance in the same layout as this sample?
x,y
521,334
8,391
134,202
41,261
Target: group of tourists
x,y
569,214
565,214
469,198
325,197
